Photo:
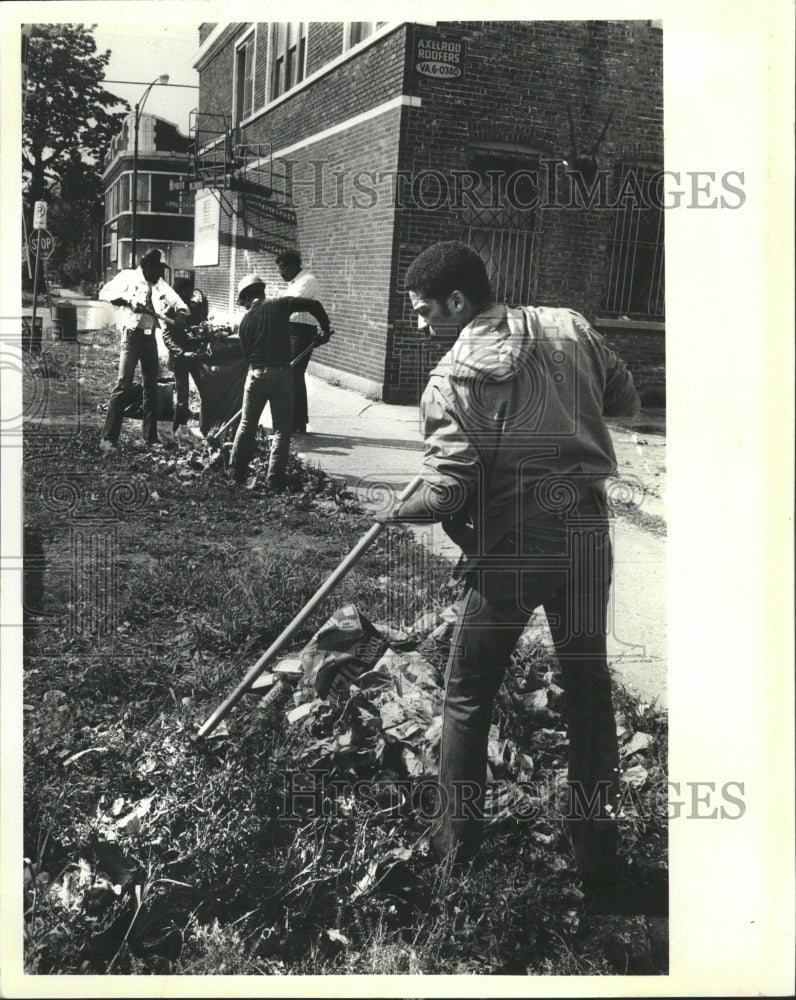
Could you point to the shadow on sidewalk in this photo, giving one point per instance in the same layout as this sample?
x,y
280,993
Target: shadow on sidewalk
x,y
327,441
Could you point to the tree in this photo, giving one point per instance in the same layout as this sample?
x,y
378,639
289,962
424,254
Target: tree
x,y
68,125
68,113
74,218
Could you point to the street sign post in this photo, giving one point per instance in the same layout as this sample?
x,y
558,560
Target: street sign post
x,y
42,244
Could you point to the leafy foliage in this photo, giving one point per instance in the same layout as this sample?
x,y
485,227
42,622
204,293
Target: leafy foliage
x,y
68,124
69,113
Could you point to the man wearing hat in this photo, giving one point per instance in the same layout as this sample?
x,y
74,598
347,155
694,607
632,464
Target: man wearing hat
x,y
265,338
141,296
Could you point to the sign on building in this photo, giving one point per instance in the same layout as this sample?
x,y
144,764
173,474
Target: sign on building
x,y
206,229
439,59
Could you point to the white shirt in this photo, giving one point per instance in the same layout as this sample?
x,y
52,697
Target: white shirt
x,y
132,285
304,286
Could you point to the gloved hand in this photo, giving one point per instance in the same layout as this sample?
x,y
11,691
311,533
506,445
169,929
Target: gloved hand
x,y
324,336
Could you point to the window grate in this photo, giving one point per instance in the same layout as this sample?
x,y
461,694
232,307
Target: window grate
x,y
635,272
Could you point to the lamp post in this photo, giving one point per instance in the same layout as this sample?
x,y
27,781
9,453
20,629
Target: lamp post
x,y
163,79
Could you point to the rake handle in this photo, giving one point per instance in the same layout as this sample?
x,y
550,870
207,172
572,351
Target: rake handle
x,y
347,564
225,427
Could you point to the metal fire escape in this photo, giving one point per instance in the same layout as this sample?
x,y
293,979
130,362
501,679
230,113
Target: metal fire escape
x,y
222,165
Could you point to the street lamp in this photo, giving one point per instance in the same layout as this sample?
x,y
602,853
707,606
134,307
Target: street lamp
x,y
161,80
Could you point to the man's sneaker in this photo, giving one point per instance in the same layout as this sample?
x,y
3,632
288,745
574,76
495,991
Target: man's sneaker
x,y
108,447
628,891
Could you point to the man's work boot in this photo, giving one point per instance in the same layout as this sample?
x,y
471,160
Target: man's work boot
x,y
180,416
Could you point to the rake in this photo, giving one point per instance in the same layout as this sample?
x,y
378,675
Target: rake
x,y
214,438
278,644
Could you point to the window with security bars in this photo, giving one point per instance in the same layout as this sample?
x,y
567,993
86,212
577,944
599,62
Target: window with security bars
x,y
634,285
505,233
289,56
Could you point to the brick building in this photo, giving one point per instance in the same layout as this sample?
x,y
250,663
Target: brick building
x,y
538,142
164,218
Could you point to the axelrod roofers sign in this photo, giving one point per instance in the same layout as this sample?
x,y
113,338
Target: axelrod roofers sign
x,y
440,59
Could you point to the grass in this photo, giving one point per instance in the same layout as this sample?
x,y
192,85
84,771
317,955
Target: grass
x,y
149,851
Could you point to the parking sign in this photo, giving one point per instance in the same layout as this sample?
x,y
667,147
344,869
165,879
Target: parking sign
x,y
40,215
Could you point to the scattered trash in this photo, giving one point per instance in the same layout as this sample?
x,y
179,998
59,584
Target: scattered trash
x,y
344,647
82,753
638,742
335,935
635,776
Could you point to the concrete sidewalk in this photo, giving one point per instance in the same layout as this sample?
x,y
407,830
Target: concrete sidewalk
x,y
377,448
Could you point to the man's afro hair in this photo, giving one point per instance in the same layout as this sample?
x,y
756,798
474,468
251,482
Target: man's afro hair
x,y
447,267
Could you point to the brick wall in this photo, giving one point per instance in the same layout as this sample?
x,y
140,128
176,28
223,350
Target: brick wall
x,y
370,79
339,215
216,79
644,352
519,78
324,43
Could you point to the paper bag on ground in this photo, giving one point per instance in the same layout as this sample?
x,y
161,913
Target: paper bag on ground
x,y
343,648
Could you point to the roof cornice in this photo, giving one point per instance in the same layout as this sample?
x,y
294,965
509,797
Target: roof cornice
x,y
220,34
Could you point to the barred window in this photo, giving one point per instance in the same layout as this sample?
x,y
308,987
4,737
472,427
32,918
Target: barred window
x,y
501,225
634,284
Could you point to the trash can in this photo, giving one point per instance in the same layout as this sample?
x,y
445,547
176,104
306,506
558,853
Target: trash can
x,y
65,321
31,339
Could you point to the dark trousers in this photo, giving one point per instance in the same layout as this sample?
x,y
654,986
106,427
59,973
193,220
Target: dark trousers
x,y
301,336
182,368
136,347
272,385
564,563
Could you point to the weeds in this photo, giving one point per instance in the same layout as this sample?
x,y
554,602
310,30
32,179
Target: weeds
x,y
149,851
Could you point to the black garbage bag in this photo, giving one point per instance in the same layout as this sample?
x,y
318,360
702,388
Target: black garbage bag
x,y
135,400
221,386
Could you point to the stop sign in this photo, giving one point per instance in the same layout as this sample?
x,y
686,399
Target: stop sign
x,y
42,242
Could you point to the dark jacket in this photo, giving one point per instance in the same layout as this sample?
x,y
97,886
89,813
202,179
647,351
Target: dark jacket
x,y
265,329
513,419
179,339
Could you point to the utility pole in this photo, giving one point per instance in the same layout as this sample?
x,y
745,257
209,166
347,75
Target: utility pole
x,y
161,80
